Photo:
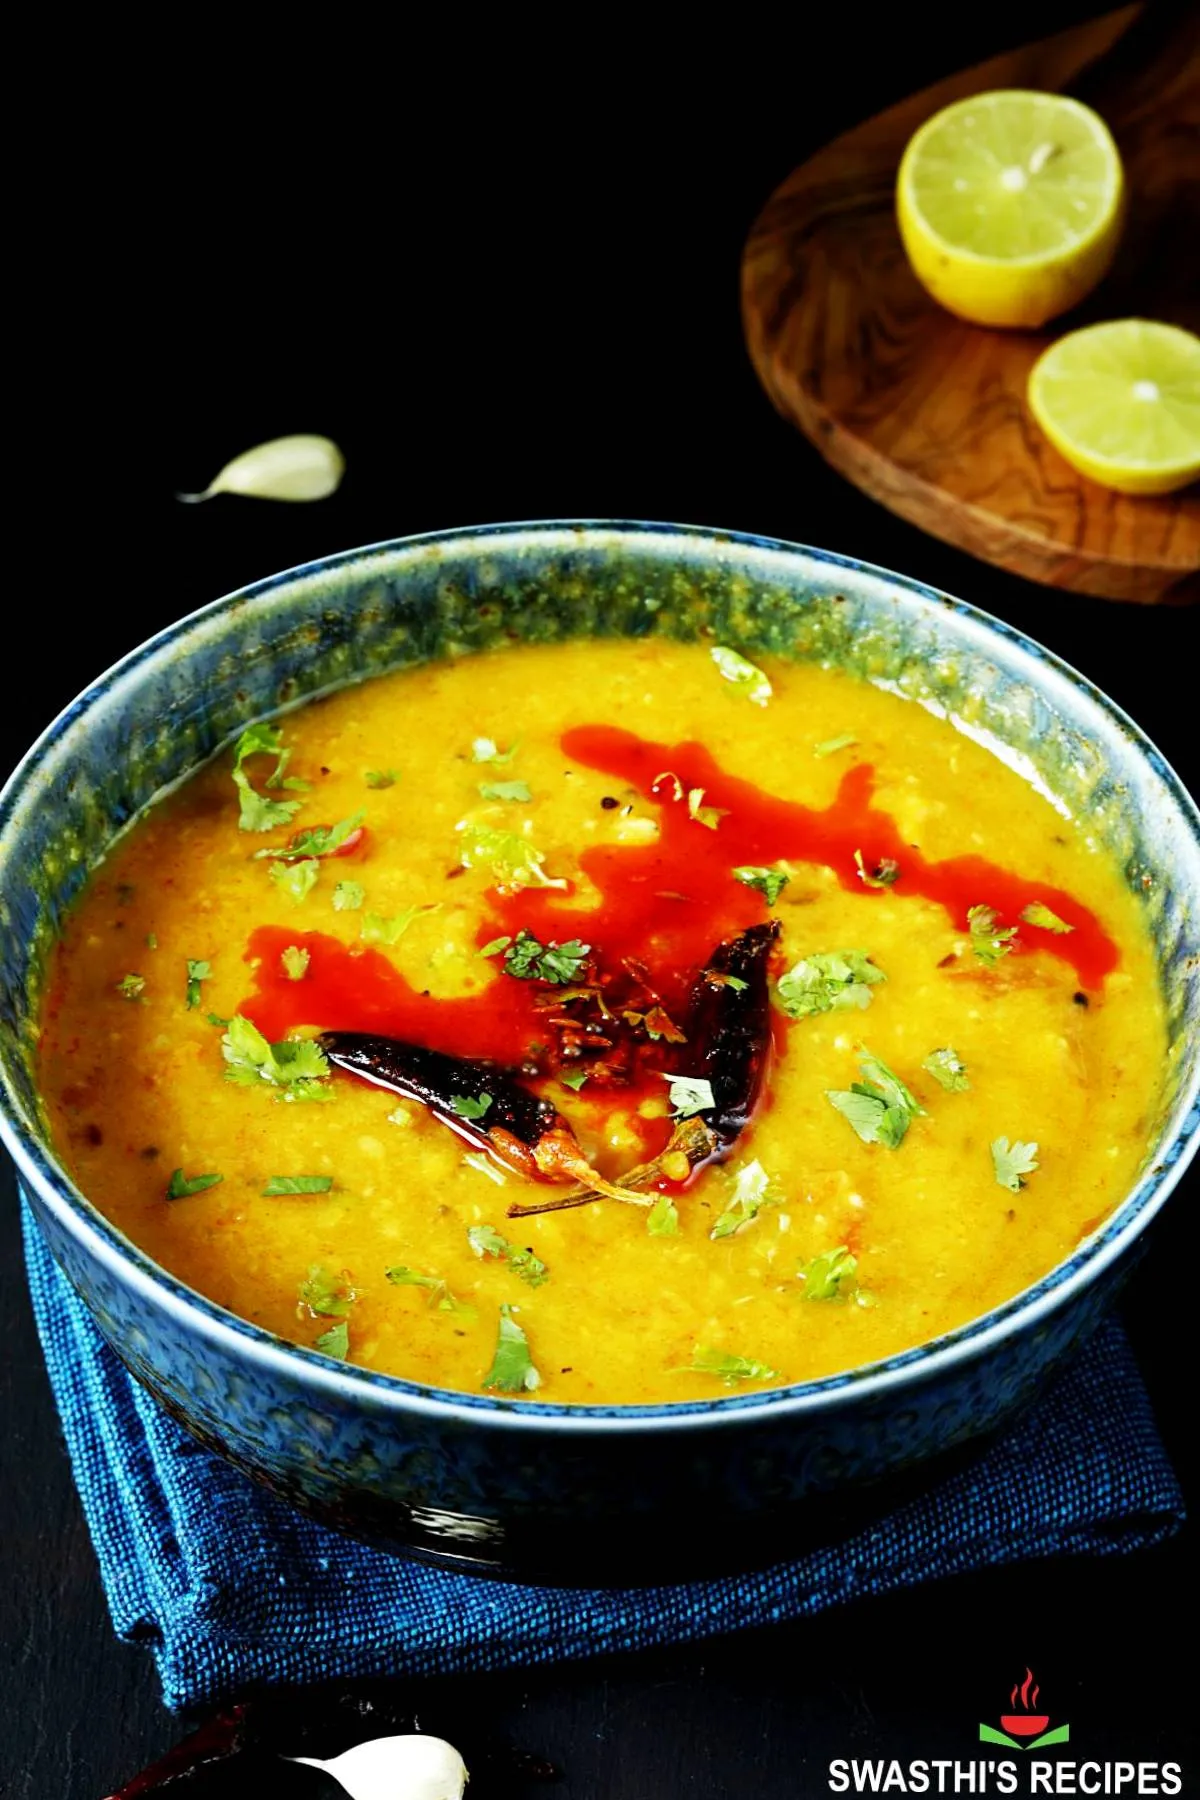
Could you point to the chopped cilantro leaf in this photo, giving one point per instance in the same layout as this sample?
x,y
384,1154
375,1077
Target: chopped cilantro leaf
x,y
484,750
828,981
325,1295
689,1094
297,1066
574,1081
709,816
1012,1162
512,1370
663,1218
296,879
884,875
485,1240
381,778
440,1297
880,1108
376,929
216,1019
506,790
257,813
511,859
768,882
294,962
131,987
315,841
988,944
1038,914
731,1368
151,941
467,1108
830,746
297,1184
529,960
948,1069
336,1341
831,1276
751,1192
348,896
181,1186
735,667
196,973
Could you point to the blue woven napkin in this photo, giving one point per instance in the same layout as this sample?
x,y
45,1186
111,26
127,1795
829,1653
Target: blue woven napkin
x,y
229,1587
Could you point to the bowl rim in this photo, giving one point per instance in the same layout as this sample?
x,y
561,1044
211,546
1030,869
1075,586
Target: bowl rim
x,y
383,1393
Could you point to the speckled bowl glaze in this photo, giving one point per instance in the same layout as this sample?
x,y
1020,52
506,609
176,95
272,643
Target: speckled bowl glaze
x,y
521,1487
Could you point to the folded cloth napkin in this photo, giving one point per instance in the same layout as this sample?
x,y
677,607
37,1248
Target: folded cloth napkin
x,y
231,1588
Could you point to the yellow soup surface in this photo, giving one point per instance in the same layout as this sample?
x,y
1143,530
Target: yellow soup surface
x,y
529,857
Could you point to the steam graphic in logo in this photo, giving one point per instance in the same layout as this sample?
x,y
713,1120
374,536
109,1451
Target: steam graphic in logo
x,y
1025,1726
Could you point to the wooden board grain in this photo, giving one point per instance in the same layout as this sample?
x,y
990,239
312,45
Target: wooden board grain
x,y
927,414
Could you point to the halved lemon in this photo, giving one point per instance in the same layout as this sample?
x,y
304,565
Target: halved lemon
x,y
1010,205
1121,402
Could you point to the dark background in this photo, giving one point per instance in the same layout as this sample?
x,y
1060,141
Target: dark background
x,y
500,269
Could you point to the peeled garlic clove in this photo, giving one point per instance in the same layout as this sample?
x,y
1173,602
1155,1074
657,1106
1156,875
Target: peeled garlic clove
x,y
287,468
397,1768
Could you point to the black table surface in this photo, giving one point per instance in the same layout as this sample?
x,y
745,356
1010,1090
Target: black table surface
x,y
503,273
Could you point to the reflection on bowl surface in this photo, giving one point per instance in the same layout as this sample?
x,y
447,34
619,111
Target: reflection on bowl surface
x,y
552,1485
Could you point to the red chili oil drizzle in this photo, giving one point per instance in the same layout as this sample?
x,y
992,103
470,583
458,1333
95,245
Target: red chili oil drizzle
x,y
666,904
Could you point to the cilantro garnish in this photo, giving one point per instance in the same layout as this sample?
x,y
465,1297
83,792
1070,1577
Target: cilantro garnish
x,y
768,882
381,778
689,1094
484,750
335,1341
181,1186
663,1218
884,875
325,1295
529,960
196,973
731,1368
828,981
485,1240
315,840
297,879
467,1108
294,962
948,1069
440,1297
151,941
506,790
988,944
658,1024
297,1184
709,816
512,1370
830,746
574,1081
511,859
880,1108
348,896
744,674
1038,914
831,1276
1012,1162
376,929
131,987
257,812
297,1066
751,1192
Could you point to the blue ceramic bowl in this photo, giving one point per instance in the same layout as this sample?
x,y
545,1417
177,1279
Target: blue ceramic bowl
x,y
524,1487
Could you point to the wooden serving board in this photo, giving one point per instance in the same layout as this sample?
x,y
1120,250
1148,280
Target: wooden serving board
x,y
926,413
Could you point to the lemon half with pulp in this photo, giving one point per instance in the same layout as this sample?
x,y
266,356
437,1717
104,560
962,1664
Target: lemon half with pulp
x,y
1121,402
1010,205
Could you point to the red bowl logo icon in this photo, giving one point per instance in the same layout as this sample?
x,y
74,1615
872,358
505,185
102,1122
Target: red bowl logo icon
x,y
1024,1724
